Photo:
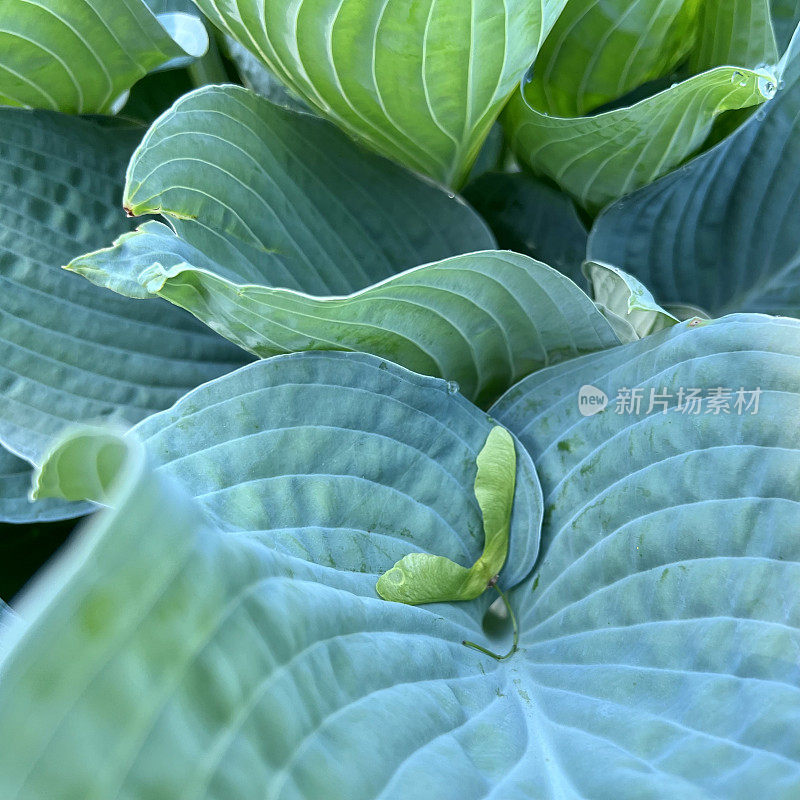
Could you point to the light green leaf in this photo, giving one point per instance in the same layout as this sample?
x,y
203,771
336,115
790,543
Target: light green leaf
x,y
598,52
69,351
283,198
734,32
658,636
376,460
484,320
719,232
599,158
530,216
82,57
426,578
421,83
15,507
626,301
84,464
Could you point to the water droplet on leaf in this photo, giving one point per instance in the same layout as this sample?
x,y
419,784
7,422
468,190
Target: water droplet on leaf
x,y
767,87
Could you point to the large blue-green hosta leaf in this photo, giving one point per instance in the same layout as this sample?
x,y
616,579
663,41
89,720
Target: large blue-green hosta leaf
x,y
661,627
82,56
420,82
659,632
70,351
338,458
318,687
720,232
347,220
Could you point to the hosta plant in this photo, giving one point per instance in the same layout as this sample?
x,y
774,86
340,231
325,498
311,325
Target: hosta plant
x,y
404,398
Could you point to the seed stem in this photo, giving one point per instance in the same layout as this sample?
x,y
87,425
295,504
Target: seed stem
x,y
515,644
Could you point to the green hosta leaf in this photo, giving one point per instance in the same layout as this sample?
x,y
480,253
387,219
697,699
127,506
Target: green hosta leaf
x,y
626,301
599,158
598,52
718,233
734,32
69,351
484,320
658,637
82,57
338,458
421,83
426,578
15,484
167,621
529,216
283,198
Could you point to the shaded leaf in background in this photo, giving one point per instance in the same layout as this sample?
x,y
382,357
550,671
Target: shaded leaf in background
x,y
26,548
599,158
256,76
82,57
492,154
785,18
420,83
658,634
529,216
155,93
70,351
720,232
